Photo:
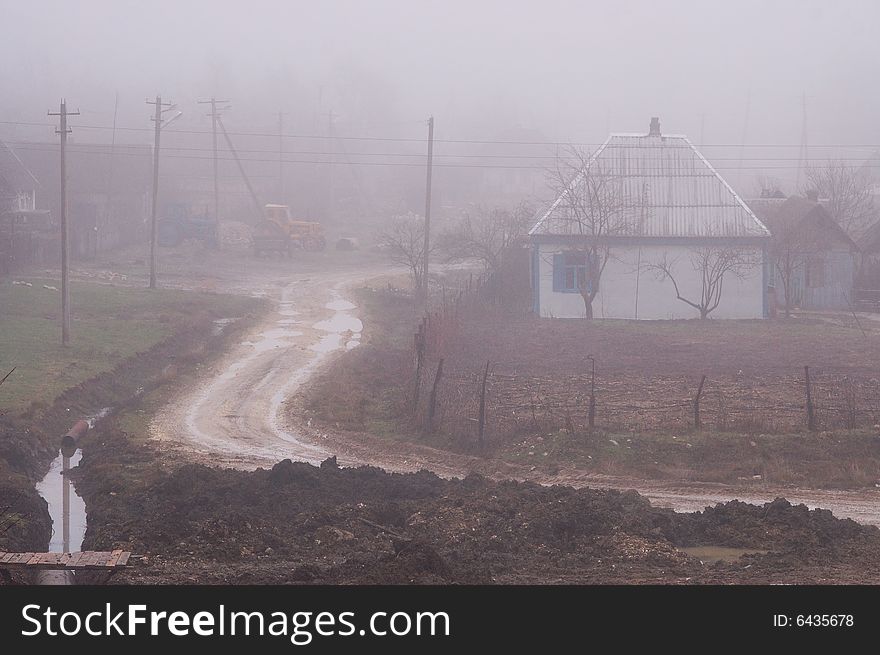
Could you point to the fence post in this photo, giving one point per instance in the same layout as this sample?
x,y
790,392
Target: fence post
x,y
697,422
420,355
432,403
591,414
811,417
482,427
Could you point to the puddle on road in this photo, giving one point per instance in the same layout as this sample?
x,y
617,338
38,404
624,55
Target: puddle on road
x,y
220,324
340,305
340,322
271,339
285,308
712,554
327,343
344,329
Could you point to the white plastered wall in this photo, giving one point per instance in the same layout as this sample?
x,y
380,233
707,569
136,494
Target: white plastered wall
x,y
629,291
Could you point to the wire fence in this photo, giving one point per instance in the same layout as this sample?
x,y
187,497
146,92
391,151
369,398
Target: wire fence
x,y
489,401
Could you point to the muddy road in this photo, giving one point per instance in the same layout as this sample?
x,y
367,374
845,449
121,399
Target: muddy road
x,y
240,416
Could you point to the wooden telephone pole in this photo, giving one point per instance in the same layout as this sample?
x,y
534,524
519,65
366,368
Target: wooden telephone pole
x,y
63,130
281,157
215,117
427,247
157,119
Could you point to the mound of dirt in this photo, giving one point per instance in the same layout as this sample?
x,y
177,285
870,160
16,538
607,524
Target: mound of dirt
x,y
298,523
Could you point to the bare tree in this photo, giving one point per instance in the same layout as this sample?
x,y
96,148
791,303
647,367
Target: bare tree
x,y
847,195
712,264
791,249
404,241
485,235
591,203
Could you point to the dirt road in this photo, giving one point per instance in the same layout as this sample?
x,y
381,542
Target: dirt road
x,y
237,416
234,417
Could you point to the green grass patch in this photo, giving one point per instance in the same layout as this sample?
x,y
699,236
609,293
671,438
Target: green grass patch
x,y
108,325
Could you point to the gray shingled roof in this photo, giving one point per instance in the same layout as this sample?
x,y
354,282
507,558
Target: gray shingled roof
x,y
14,175
669,190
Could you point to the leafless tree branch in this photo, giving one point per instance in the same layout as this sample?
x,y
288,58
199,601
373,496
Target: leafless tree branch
x,y
712,264
847,194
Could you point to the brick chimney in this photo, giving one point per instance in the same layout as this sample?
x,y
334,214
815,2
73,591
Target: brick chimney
x,y
654,130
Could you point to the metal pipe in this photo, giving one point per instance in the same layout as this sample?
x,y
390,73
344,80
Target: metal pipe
x,y
70,441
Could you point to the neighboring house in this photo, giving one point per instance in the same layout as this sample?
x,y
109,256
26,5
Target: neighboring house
x,y
108,191
674,207
869,267
25,231
18,186
814,260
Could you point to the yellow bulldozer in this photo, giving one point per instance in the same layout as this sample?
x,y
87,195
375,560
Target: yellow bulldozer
x,y
278,232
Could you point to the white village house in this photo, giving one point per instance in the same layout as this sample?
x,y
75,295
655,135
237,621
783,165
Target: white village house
x,y
649,229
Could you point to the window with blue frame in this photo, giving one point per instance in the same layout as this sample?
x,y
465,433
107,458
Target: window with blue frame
x,y
570,272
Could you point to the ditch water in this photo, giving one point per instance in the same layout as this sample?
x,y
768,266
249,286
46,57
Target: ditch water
x,y
720,553
66,508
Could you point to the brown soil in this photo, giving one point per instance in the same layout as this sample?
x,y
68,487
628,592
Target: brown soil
x,y
538,390
297,523
648,372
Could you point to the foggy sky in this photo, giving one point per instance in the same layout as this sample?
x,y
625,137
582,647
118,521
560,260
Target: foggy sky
x,y
572,70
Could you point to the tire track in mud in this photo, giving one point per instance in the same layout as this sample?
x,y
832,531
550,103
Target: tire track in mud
x,y
236,417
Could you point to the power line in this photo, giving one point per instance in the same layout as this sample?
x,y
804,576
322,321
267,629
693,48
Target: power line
x,y
405,164
29,145
462,141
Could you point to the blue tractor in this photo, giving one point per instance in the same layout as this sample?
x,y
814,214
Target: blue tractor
x,y
178,224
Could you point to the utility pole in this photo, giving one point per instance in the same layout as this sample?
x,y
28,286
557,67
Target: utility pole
x,y
215,116
803,153
65,238
244,176
428,211
108,211
742,148
157,119
281,157
332,145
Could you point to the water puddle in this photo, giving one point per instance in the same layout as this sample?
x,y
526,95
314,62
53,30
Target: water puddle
x,y
67,509
340,322
712,554
343,328
285,308
220,324
273,338
340,305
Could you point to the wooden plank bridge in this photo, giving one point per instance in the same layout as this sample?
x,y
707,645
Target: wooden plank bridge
x,y
90,560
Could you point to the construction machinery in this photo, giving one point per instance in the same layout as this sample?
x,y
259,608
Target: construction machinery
x,y
278,232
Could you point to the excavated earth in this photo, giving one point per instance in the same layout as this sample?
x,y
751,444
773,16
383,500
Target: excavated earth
x,y
299,523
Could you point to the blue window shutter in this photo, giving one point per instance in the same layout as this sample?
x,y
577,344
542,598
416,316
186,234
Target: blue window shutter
x,y
559,272
589,272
